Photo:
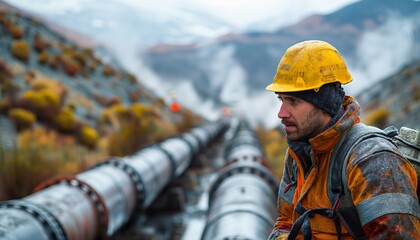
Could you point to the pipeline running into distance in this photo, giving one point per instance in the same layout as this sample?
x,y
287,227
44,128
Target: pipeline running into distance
x,y
242,197
97,202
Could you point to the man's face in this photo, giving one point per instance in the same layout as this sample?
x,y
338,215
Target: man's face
x,y
301,119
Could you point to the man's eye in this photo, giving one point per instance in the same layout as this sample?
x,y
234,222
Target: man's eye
x,y
292,101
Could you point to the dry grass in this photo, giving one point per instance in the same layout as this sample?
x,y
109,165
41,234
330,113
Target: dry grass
x,y
275,146
40,155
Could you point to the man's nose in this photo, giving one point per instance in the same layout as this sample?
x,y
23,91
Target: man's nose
x,y
283,113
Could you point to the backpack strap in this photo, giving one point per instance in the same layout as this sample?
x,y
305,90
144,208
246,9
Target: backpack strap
x,y
338,190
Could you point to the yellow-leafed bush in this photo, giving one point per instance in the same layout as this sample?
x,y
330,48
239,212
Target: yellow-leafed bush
x,y
22,118
139,109
88,137
45,83
108,71
43,57
378,118
132,78
34,100
120,110
21,50
65,121
16,32
39,155
72,106
40,44
275,147
44,103
4,105
51,98
71,66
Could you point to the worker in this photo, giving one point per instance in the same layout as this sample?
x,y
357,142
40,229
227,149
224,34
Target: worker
x,y
316,114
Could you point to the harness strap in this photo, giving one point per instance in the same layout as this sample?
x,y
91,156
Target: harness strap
x,y
303,223
338,190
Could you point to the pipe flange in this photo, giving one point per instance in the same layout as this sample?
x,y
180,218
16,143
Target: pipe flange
x,y
96,198
47,220
135,177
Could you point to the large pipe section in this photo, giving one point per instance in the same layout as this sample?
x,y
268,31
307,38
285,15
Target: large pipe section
x,y
242,196
97,202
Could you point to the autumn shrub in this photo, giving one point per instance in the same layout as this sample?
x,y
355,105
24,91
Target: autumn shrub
x,y
65,121
45,103
129,137
16,32
39,43
42,154
140,110
81,58
134,96
51,97
108,71
88,136
54,62
29,76
378,117
120,110
43,57
22,118
132,78
159,129
72,106
6,76
6,72
21,50
4,105
92,66
415,89
275,146
128,130
106,121
115,100
33,100
159,102
188,120
100,99
40,83
70,65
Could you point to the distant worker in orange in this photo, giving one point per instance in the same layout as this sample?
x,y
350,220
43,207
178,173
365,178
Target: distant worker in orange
x,y
174,106
225,111
372,194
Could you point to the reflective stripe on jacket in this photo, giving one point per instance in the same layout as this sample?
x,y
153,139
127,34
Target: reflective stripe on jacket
x,y
374,170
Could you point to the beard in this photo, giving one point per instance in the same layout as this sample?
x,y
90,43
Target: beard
x,y
310,126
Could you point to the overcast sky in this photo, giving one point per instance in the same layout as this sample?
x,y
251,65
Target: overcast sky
x,y
240,13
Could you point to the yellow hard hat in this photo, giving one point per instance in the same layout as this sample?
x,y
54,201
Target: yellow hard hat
x,y
309,65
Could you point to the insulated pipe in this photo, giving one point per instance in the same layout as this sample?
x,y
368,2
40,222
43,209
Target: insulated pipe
x,y
97,202
243,195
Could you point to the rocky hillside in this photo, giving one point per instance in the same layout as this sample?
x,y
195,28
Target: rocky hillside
x,y
48,80
395,101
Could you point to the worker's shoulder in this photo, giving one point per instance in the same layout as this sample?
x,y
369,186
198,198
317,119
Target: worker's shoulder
x,y
369,142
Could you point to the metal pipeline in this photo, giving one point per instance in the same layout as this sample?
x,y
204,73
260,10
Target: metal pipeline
x,y
97,202
242,197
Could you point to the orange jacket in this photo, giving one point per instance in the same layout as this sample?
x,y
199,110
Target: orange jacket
x,y
370,175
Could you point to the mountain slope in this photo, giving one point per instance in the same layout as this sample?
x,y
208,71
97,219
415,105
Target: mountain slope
x,y
395,101
47,81
375,37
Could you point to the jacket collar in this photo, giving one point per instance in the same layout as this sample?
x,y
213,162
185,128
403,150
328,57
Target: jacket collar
x,y
326,140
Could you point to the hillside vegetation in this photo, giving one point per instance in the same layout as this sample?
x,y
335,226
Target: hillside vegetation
x,y
63,108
